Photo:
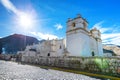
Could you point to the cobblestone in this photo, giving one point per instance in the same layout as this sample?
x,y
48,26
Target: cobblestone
x,y
15,71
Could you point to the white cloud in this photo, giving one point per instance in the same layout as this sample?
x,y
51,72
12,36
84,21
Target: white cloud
x,y
110,35
99,26
108,38
111,38
58,26
40,35
8,5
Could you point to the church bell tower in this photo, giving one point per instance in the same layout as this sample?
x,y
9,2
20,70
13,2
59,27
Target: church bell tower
x,y
77,37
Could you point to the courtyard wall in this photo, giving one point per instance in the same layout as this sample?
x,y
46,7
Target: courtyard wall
x,y
102,65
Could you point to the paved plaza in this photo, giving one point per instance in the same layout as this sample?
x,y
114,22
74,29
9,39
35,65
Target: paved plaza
x,y
15,71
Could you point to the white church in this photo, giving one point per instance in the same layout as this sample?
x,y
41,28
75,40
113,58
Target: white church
x,y
79,42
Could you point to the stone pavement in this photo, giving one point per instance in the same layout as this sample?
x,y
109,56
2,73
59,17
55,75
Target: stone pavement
x,y
15,71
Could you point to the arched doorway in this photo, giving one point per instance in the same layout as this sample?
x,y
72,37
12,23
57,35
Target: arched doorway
x,y
93,54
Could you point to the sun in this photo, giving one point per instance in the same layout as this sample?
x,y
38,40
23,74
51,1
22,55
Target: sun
x,y
25,21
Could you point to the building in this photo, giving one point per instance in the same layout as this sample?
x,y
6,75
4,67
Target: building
x,y
45,48
79,42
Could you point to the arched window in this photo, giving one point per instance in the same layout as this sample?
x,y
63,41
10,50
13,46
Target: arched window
x,y
73,24
48,54
60,46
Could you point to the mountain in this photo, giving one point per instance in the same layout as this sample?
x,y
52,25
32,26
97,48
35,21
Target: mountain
x,y
16,42
113,49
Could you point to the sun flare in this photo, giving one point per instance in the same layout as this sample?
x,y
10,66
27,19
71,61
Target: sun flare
x,y
25,21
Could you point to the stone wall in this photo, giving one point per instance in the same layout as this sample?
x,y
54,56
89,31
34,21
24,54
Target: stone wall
x,y
102,65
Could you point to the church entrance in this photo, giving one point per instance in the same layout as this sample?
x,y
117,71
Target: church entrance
x,y
93,54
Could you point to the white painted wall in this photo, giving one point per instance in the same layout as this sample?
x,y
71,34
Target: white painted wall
x,y
78,44
42,49
93,45
100,48
58,50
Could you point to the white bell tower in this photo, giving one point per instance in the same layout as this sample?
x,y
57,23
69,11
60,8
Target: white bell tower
x,y
77,22
77,37
96,34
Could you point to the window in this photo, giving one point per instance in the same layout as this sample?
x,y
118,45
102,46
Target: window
x,y
73,24
33,50
60,46
48,54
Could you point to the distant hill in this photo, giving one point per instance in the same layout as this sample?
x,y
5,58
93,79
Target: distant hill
x,y
113,49
16,42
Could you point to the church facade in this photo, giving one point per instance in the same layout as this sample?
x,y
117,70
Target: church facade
x,y
79,42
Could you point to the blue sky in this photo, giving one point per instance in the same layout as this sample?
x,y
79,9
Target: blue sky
x,y
50,16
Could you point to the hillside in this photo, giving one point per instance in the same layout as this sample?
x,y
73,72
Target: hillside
x,y
16,42
112,49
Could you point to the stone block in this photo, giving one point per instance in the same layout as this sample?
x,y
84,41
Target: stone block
x,y
118,70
